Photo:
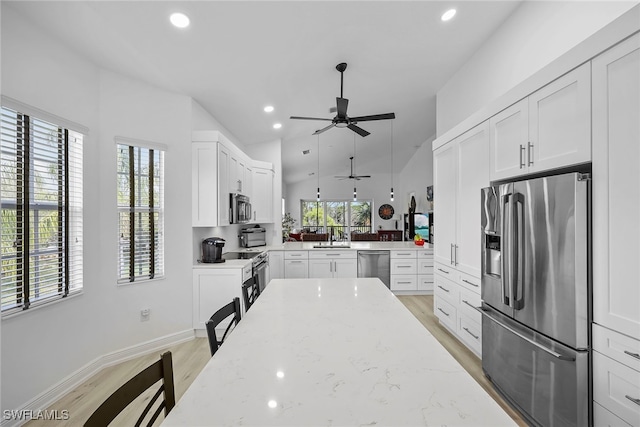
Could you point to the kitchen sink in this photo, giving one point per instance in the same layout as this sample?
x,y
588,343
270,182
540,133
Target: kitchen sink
x,y
330,246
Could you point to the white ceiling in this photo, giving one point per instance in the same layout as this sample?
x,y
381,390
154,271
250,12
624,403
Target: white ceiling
x,y
238,56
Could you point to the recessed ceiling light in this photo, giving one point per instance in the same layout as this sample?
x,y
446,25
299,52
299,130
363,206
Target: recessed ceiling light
x,y
268,108
448,15
179,20
277,125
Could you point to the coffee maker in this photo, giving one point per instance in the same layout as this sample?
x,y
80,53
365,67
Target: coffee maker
x,y
212,250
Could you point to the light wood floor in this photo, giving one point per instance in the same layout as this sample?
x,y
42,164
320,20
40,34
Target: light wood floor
x,y
189,358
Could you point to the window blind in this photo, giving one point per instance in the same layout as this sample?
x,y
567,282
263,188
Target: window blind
x,y
140,186
41,197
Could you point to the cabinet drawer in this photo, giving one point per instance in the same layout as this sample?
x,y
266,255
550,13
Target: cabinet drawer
x,y
620,348
425,266
470,282
467,303
604,418
333,254
404,266
471,333
446,289
616,386
425,253
403,254
425,282
444,270
445,312
296,254
404,283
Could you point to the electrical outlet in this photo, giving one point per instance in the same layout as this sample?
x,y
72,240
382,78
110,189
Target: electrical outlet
x,y
145,313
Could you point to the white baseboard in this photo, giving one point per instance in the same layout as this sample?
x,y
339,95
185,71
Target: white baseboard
x,y
56,392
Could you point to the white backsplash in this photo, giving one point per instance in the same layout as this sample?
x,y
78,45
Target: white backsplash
x,y
229,233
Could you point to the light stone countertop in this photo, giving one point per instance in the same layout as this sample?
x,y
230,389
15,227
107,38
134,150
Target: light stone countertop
x,y
333,352
309,246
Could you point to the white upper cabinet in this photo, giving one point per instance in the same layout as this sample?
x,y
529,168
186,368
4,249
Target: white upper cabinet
x,y
461,169
219,169
548,130
262,198
616,188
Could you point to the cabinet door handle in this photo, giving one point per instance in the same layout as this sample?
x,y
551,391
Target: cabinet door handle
x,y
403,283
470,333
444,271
403,266
471,283
636,401
455,252
470,305
296,262
636,355
521,155
451,254
443,312
529,153
444,289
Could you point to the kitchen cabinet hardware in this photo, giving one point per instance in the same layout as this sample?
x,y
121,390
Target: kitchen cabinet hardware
x,y
634,400
443,312
451,255
636,355
521,156
471,333
444,289
529,153
444,271
471,283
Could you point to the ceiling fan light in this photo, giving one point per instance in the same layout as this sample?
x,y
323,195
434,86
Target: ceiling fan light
x,y
392,194
355,197
448,15
179,20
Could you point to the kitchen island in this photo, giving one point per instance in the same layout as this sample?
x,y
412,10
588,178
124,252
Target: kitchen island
x,y
333,352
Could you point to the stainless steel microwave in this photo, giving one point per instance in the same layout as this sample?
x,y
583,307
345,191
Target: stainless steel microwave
x,y
240,208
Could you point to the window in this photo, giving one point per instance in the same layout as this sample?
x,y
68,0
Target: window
x,y
41,195
141,213
342,216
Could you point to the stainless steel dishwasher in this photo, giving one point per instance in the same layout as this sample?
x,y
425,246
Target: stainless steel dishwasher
x,y
375,264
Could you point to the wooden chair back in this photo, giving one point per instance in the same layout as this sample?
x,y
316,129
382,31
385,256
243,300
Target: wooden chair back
x,y
162,370
231,309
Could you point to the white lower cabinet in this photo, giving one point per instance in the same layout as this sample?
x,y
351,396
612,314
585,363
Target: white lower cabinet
x,y
276,265
616,375
212,289
333,264
296,264
604,418
460,293
411,270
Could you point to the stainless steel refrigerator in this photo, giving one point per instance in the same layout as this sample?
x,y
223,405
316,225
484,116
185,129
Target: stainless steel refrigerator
x,y
536,296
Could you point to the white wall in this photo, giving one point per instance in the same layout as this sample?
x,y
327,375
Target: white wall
x,y
533,36
376,188
415,177
55,341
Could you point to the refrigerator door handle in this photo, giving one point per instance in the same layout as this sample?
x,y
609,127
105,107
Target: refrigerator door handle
x,y
505,250
557,355
518,234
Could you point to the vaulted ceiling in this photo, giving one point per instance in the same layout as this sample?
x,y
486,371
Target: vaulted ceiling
x,y
238,56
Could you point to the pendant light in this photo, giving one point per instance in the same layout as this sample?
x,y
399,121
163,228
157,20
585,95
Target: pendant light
x,y
391,121
355,196
318,192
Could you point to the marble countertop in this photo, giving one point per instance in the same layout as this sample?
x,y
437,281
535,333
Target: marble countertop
x,y
333,352
305,246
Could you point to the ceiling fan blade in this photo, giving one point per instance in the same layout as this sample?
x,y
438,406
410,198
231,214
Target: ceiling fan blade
x,y
363,176
309,118
342,104
385,116
323,129
358,130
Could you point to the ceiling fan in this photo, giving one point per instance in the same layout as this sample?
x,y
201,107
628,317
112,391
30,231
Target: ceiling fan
x,y
352,175
341,120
